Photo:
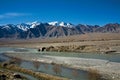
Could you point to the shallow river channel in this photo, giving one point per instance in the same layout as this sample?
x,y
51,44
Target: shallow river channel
x,y
73,74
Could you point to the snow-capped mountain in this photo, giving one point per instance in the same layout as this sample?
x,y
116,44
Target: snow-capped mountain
x,y
63,24
23,26
55,23
33,24
26,26
6,27
57,29
66,24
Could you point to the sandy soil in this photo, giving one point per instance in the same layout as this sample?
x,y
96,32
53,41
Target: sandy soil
x,y
93,42
91,46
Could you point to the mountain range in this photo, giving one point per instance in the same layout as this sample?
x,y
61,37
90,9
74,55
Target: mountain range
x,y
53,29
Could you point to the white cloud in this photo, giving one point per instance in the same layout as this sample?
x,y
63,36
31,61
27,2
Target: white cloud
x,y
9,15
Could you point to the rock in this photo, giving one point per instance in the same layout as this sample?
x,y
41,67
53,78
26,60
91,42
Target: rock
x,y
43,48
39,50
112,51
4,64
2,77
17,76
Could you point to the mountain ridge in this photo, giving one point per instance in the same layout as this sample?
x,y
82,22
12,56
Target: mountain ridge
x,y
43,30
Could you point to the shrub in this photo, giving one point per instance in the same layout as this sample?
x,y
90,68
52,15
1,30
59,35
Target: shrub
x,y
57,69
93,74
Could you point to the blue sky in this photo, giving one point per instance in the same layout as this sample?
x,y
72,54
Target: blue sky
x,y
75,11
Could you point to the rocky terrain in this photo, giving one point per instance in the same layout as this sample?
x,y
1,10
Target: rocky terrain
x,y
80,39
10,75
53,29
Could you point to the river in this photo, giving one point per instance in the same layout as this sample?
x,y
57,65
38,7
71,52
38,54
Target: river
x,y
70,73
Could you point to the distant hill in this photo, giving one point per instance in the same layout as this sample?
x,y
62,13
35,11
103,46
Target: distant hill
x,y
53,29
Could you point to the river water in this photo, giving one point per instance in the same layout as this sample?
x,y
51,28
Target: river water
x,y
70,73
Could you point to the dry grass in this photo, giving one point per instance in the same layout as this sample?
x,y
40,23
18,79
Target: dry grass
x,y
10,75
75,73
57,69
92,42
74,38
36,64
93,74
38,75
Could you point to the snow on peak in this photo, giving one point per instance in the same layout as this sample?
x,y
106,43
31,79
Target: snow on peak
x,y
63,24
34,24
23,26
55,23
26,26
6,27
66,24
69,25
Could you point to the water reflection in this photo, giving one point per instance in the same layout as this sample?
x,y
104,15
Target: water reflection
x,y
55,69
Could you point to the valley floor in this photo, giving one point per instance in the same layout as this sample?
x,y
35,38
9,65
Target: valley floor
x,y
109,70
109,44
93,42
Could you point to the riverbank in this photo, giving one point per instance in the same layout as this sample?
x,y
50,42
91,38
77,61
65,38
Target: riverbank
x,y
107,47
9,67
94,43
108,70
10,75
98,44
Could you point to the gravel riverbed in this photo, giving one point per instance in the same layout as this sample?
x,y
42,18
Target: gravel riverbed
x,y
109,70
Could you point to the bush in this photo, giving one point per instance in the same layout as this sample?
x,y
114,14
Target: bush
x,y
93,74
